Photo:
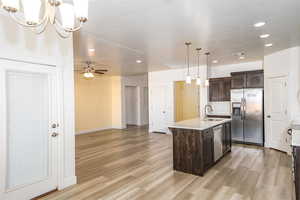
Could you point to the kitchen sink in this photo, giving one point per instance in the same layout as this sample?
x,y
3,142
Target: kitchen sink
x,y
213,120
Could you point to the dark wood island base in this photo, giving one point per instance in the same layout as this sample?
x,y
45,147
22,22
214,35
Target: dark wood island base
x,y
193,150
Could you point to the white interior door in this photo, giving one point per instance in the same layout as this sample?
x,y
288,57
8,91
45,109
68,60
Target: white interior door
x,y
160,108
28,144
276,113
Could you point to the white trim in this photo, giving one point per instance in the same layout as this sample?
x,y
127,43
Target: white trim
x,y
67,182
93,130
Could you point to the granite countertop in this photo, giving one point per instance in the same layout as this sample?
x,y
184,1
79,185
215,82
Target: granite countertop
x,y
199,124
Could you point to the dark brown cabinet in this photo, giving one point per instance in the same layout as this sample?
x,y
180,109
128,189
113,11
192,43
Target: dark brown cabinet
x,y
208,149
248,79
255,79
226,137
219,89
238,80
193,150
296,171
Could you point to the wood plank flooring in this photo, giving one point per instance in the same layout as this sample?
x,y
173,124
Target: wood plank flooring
x,y
133,164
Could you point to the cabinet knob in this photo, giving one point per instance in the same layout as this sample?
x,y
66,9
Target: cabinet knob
x,y
268,116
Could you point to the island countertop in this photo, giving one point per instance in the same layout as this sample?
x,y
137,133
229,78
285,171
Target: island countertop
x,y
199,124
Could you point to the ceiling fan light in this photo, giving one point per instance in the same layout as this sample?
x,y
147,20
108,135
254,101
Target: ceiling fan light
x,y
88,75
67,15
81,9
11,5
32,11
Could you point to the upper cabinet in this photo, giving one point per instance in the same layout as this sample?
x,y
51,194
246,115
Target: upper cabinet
x,y
255,79
248,79
219,89
238,80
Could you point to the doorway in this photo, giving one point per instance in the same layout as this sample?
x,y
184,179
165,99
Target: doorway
x,y
187,100
131,110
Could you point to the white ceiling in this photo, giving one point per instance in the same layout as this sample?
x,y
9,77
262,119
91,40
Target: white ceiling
x,y
122,31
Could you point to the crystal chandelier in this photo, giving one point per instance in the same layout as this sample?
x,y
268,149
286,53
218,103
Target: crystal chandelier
x,y
27,13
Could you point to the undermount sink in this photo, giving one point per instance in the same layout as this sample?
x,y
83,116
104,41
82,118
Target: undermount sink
x,y
213,120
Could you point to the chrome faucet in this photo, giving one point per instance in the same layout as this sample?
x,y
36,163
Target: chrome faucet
x,y
207,108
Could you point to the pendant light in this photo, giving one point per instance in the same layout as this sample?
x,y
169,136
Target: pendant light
x,y
207,61
188,79
198,80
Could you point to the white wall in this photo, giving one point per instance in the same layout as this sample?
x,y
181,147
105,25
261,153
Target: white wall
x,y
140,82
223,108
166,79
286,63
21,45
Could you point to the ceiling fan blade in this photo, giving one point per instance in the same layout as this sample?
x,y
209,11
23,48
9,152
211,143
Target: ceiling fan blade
x,y
99,73
101,70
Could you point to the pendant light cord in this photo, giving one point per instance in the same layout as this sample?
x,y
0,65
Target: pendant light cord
x,y
188,56
207,61
198,61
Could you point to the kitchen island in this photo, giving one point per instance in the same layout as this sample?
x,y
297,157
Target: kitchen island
x,y
199,143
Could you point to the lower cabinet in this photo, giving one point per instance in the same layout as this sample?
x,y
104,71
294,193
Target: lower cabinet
x,y
226,137
193,150
296,170
208,149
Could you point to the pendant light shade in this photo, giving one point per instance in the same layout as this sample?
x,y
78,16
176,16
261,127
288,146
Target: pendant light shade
x,y
188,79
198,81
67,12
32,11
206,83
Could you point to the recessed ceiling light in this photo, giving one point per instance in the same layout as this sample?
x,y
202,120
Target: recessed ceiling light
x,y
264,36
259,24
268,45
215,61
138,61
91,50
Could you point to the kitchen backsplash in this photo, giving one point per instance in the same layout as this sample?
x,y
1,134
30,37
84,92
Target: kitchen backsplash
x,y
220,108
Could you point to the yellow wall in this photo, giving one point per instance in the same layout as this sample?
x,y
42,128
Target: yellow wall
x,y
116,101
186,100
94,100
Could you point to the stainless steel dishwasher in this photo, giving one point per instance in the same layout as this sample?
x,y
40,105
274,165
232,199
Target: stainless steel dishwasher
x,y
218,146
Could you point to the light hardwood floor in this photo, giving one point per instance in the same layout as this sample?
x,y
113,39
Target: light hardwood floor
x,y
132,164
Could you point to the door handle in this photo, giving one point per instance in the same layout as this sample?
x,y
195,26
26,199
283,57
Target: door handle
x,y
54,125
54,134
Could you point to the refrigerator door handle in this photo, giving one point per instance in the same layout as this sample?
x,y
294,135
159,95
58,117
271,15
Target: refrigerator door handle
x,y
244,108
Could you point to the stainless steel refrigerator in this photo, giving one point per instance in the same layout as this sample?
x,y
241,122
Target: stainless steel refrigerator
x,y
247,116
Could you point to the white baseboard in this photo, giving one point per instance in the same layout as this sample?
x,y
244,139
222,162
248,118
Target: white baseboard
x,y
93,130
67,182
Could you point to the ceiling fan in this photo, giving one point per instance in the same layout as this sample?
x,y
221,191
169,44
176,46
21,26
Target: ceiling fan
x,y
90,69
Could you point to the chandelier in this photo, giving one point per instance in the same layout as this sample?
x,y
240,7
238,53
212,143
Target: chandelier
x,y
28,13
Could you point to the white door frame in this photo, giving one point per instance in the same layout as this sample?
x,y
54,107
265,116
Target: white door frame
x,y
30,67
